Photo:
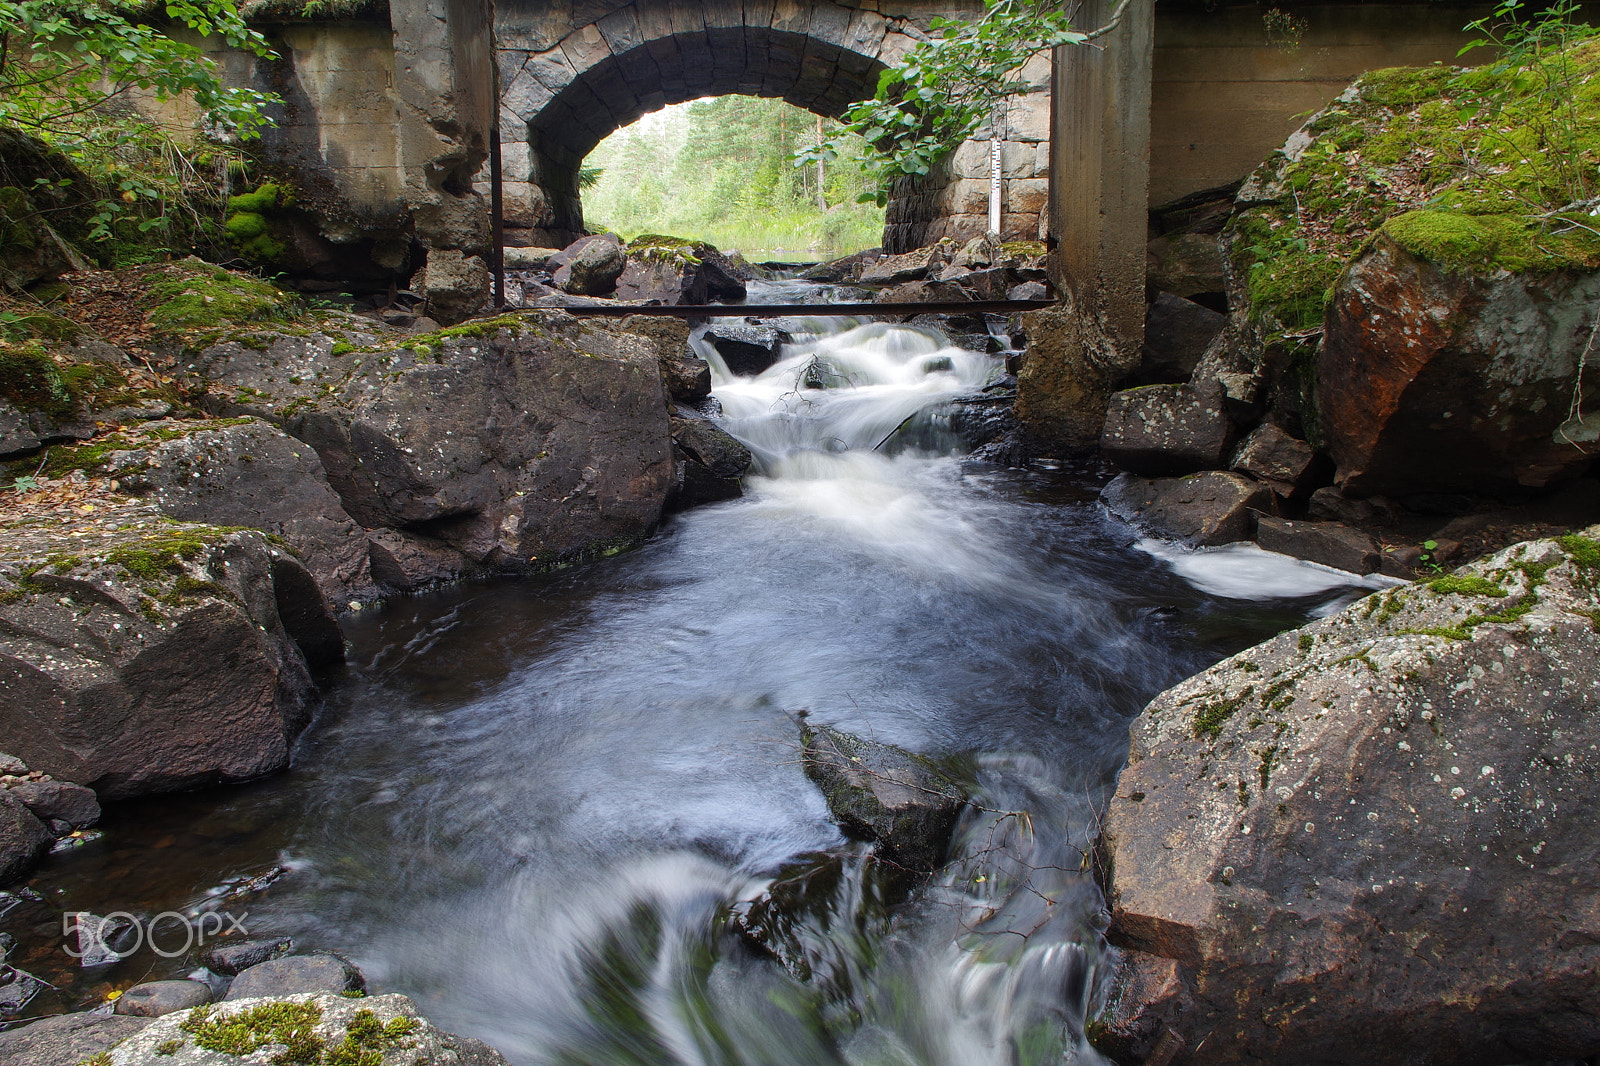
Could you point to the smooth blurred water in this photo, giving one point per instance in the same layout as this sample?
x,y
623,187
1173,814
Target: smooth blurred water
x,y
531,806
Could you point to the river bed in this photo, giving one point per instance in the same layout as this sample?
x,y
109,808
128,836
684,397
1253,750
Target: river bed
x,y
529,805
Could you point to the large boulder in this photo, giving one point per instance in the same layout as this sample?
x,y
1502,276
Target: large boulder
x,y
1166,429
673,271
594,269
1177,333
23,838
1375,831
454,283
1435,379
246,472
709,461
1202,510
296,975
376,1030
520,442
140,655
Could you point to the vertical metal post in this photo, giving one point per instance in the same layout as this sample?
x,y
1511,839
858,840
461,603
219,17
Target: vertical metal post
x,y
995,177
497,223
497,250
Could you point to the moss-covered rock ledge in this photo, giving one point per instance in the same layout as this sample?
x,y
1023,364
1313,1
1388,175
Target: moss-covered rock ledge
x,y
140,655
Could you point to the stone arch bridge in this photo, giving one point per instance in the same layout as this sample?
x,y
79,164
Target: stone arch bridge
x,y
571,74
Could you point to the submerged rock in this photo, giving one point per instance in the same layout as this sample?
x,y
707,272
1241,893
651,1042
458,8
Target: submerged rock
x,y
905,802
1375,831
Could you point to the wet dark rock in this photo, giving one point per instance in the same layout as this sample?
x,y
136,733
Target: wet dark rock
x,y
1331,505
408,562
154,659
1166,429
59,800
66,1039
1135,1025
1176,334
156,998
710,461
1483,398
295,975
1204,509
747,349
230,956
1185,264
23,838
594,270
796,919
1375,831
250,474
1271,455
1328,543
905,802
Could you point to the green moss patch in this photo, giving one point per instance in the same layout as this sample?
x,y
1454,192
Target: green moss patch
x,y
1470,170
292,1026
199,296
1466,585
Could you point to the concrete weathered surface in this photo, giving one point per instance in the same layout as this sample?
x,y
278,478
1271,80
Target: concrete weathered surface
x,y
1376,832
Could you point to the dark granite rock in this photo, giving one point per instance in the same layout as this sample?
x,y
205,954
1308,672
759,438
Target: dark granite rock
x,y
1166,429
231,956
73,804
1205,509
1328,543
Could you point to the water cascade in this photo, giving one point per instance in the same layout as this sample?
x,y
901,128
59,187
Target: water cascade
x,y
534,806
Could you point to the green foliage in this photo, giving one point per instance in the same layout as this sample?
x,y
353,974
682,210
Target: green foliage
x,y
69,73
718,170
946,88
1532,96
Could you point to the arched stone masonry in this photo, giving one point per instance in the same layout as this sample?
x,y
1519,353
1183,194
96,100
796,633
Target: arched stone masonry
x,y
568,82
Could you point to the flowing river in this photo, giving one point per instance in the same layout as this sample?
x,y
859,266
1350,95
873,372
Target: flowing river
x,y
530,806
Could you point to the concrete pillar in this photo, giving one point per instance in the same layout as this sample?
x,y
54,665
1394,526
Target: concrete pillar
x,y
1099,179
445,81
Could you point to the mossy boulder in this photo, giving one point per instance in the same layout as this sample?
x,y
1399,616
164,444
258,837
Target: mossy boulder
x,y
1375,831
146,656
1413,279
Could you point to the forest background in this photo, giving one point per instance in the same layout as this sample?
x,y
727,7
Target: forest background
x,y
722,170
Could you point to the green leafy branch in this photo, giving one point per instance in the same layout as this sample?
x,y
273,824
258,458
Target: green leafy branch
x,y
947,87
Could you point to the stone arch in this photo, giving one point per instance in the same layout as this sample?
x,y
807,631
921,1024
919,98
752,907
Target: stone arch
x,y
560,99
